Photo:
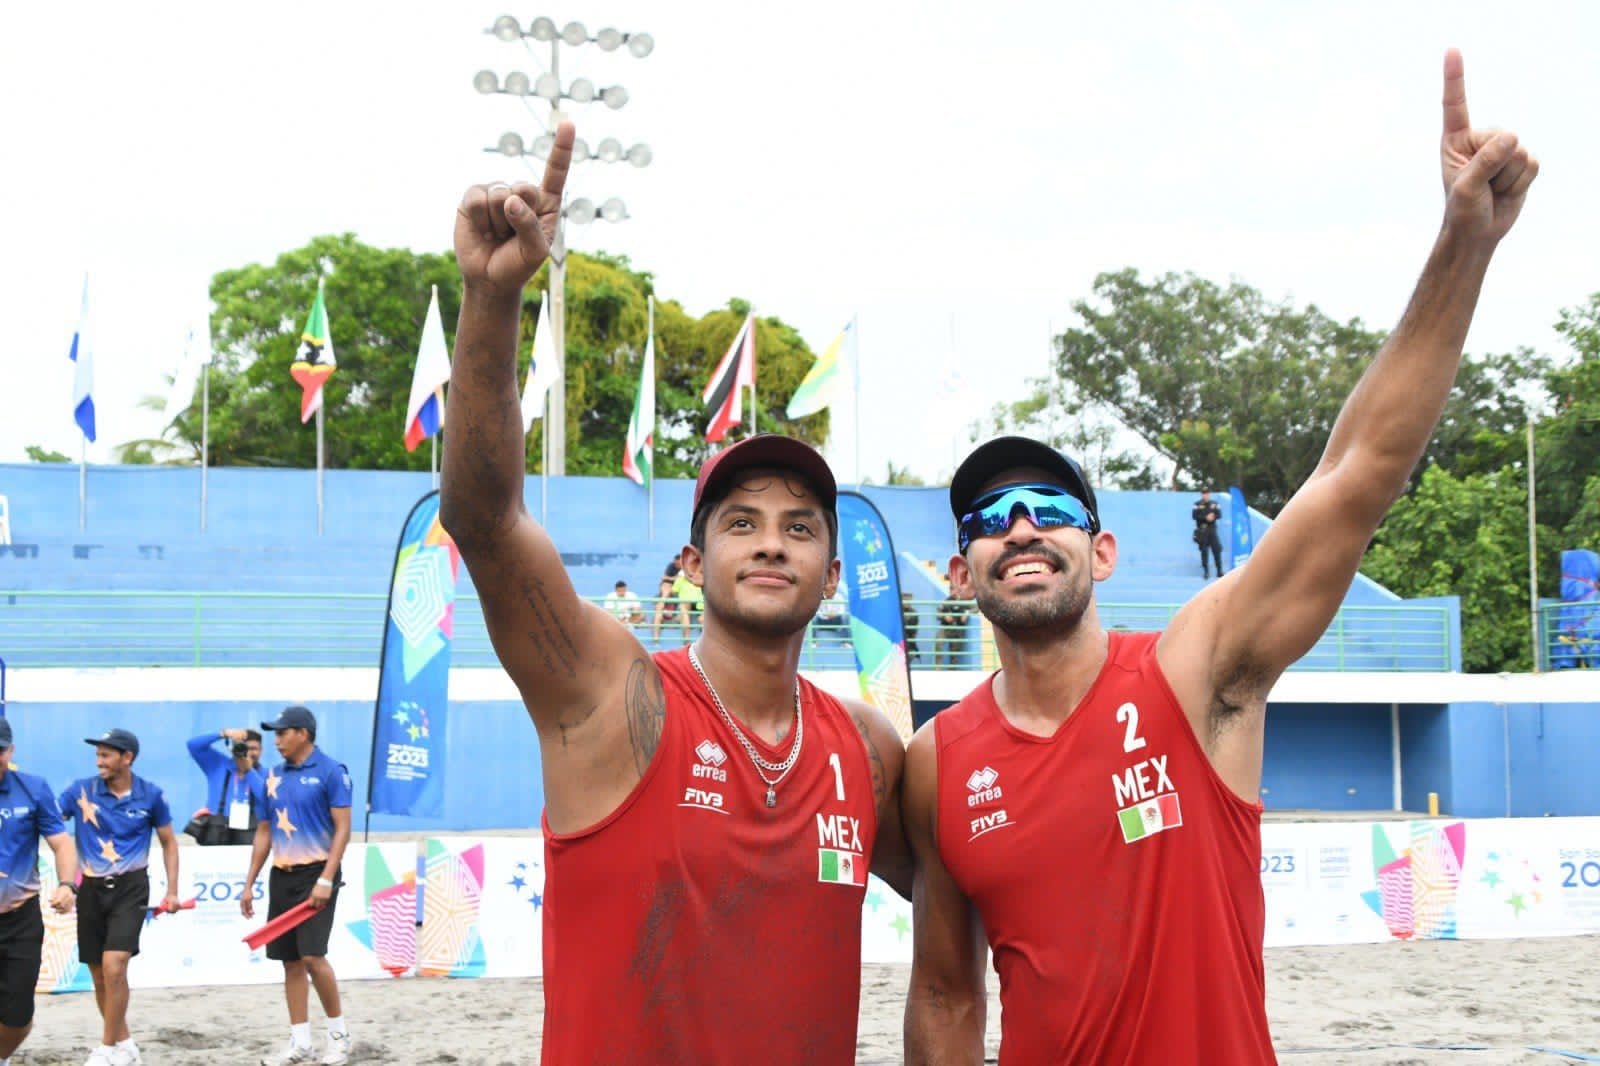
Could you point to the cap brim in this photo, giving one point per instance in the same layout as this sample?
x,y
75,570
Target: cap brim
x,y
776,451
113,745
997,456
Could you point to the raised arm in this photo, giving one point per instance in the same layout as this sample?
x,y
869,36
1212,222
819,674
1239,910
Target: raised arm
x,y
574,664
1229,645
947,1003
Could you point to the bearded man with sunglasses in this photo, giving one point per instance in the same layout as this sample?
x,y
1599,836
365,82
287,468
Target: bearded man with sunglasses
x,y
710,816
1092,810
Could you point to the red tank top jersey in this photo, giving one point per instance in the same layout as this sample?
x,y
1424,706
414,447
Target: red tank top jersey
x,y
698,925
1117,876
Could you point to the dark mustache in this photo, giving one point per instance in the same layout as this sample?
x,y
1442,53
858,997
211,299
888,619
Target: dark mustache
x,y
1038,550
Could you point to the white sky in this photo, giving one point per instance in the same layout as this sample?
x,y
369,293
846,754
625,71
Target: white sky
x,y
953,174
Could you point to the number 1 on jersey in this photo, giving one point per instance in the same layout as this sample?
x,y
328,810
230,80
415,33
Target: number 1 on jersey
x,y
838,775
1131,740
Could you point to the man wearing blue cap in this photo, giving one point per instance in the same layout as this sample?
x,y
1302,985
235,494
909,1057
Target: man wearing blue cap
x,y
309,825
115,813
27,815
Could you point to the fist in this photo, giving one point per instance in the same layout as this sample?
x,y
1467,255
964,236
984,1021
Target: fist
x,y
1486,171
504,232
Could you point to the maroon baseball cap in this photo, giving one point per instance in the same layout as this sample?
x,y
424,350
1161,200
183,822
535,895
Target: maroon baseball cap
x,y
766,449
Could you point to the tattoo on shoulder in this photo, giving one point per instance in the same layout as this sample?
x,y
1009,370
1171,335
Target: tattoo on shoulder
x,y
880,778
646,705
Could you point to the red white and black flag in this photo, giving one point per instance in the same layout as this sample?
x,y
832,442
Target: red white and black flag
x,y
737,372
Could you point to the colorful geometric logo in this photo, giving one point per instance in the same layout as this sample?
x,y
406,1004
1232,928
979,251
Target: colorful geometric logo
x,y
1418,884
452,945
423,602
390,929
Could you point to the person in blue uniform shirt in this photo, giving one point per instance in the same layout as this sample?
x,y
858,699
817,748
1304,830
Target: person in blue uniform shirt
x,y
27,815
309,798
114,814
234,781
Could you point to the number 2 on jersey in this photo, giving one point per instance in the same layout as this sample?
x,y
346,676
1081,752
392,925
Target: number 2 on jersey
x,y
838,775
1131,740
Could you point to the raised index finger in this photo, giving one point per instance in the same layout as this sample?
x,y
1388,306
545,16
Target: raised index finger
x,y
1455,94
555,168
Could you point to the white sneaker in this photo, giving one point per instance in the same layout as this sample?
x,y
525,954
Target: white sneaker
x,y
290,1054
126,1054
100,1056
113,1056
338,1050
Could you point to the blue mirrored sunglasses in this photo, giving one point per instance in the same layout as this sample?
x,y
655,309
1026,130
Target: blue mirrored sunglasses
x,y
1046,506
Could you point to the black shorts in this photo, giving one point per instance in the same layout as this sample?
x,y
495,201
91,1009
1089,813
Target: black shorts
x,y
286,888
21,947
111,913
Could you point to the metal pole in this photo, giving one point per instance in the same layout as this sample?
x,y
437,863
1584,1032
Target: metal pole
x,y
205,433
855,361
1394,753
544,464
754,427
321,404
1533,557
650,416
556,453
433,458
83,481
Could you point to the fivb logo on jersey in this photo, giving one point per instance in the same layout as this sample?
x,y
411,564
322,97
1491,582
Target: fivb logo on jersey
x,y
983,787
710,771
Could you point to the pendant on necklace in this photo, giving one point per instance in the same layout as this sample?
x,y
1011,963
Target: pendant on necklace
x,y
772,796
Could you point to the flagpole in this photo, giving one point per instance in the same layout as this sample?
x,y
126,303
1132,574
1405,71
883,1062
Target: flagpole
x,y
205,431
83,482
544,466
754,428
320,406
855,365
650,489
433,458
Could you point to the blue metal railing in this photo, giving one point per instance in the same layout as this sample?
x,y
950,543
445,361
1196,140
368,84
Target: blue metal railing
x,y
1569,636
76,629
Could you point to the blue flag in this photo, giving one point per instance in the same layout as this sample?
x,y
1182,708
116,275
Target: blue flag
x,y
877,628
82,356
1243,541
408,732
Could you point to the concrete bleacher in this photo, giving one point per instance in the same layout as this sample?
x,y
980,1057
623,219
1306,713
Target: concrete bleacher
x,y
143,534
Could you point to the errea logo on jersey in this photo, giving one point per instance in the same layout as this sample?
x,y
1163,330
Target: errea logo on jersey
x,y
982,786
711,759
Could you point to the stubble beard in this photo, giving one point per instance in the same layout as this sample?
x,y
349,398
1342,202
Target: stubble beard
x,y
766,624
1037,615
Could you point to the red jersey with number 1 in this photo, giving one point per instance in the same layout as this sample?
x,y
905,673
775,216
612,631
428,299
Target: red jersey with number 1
x,y
1117,876
698,925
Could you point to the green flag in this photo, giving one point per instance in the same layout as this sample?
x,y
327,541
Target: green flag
x,y
821,386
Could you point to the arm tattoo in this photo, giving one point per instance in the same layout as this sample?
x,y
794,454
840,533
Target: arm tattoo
x,y
548,636
647,709
880,779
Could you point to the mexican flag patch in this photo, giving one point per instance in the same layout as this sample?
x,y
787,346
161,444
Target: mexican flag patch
x,y
1150,817
841,867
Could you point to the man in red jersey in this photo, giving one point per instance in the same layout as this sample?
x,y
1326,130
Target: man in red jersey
x,y
1092,810
710,817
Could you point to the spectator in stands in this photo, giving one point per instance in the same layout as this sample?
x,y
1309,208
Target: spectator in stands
x,y
115,812
908,618
950,644
691,598
233,782
623,605
31,817
667,609
833,617
1206,515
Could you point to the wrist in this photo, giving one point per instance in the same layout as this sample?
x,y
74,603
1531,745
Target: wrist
x,y
69,886
486,296
324,882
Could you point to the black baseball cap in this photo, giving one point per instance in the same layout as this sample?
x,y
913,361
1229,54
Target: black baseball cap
x,y
295,717
5,733
1007,453
766,449
120,739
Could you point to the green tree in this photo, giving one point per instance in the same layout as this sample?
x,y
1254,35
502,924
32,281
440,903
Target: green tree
x,y
1467,537
1234,389
377,299
36,454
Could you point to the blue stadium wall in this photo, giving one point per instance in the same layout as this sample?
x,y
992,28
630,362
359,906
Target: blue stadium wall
x,y
143,532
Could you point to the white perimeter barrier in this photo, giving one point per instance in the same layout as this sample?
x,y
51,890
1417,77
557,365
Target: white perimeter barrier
x,y
1325,883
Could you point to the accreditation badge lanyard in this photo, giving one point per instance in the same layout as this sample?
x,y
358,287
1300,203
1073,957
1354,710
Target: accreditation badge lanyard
x,y
239,801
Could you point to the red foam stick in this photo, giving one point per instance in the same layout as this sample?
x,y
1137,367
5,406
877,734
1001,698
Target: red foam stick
x,y
185,905
280,925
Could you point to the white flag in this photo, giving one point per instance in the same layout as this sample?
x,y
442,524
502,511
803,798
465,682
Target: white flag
x,y
543,371
196,354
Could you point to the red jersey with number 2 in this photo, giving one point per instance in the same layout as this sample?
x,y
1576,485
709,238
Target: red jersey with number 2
x,y
698,925
1117,876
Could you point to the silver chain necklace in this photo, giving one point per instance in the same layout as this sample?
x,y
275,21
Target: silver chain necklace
x,y
780,768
